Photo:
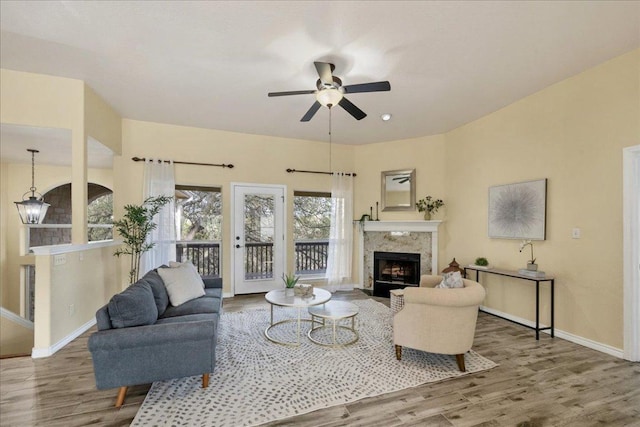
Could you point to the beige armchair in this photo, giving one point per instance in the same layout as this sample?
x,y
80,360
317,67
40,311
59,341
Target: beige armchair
x,y
438,320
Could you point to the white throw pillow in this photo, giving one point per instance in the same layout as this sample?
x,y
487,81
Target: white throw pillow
x,y
190,266
182,284
451,280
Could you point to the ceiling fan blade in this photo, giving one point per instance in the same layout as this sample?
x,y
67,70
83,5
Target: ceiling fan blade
x,y
324,71
352,109
368,87
312,111
292,92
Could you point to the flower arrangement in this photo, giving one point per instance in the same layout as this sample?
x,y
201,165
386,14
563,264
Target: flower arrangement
x,y
523,245
429,204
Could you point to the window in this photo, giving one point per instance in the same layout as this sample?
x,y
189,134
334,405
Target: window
x,y
312,222
199,227
100,218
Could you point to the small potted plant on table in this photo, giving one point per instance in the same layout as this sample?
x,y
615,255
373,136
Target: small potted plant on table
x,y
290,281
481,262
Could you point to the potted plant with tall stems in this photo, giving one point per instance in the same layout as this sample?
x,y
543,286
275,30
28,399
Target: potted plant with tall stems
x,y
134,227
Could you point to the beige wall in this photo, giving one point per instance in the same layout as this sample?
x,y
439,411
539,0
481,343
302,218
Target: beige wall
x,y
571,133
101,121
17,339
39,100
68,295
257,159
16,180
426,155
53,102
4,206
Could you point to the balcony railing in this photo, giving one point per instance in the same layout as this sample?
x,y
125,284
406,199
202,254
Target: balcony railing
x,y
205,255
310,257
258,261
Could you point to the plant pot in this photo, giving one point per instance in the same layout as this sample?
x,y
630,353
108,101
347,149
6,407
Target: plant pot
x,y
288,292
427,215
532,267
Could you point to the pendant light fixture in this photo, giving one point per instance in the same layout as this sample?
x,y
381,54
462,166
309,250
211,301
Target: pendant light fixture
x,y
33,209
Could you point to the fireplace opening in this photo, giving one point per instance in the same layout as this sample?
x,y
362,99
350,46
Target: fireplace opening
x,y
394,270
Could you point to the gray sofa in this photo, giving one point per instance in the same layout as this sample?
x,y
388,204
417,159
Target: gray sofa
x,y
142,338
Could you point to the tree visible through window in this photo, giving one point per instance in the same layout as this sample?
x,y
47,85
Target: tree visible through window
x,y
100,211
312,222
199,227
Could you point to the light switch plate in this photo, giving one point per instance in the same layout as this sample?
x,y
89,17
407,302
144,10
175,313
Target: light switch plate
x,y
576,233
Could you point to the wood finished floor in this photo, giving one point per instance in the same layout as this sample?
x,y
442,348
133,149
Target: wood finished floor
x,y
550,382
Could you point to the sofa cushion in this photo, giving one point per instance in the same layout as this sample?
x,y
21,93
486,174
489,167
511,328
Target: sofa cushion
x,y
200,305
134,306
160,294
213,292
451,280
188,318
182,283
189,266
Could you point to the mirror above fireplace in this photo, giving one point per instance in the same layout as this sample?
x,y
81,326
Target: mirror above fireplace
x,y
398,190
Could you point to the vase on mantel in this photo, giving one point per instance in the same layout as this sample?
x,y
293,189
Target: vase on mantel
x,y
427,216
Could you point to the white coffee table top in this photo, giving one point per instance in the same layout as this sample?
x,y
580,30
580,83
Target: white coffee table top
x,y
278,297
334,310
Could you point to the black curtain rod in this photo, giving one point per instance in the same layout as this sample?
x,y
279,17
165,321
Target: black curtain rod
x,y
320,172
230,166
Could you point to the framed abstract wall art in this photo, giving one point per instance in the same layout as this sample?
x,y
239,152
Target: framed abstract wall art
x,y
518,211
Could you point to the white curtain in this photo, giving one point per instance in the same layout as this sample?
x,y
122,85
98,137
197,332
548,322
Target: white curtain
x,y
341,234
159,181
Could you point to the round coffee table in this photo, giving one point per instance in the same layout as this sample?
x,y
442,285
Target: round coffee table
x,y
334,311
280,298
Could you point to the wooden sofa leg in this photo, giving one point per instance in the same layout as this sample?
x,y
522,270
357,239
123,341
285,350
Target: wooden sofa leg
x,y
399,352
460,360
121,394
205,380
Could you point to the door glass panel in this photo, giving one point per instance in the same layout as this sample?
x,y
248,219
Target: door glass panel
x,y
259,230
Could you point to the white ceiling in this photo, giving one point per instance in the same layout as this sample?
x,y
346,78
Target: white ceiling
x,y
211,64
54,146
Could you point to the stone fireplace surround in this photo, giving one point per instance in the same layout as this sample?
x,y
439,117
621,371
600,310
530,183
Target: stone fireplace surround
x,y
397,236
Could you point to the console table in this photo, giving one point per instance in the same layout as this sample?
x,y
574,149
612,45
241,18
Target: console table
x,y
517,275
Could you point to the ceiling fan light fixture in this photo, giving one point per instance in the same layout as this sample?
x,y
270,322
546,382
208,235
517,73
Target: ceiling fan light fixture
x,y
329,96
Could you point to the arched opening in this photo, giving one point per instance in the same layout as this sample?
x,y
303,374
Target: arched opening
x,y
57,223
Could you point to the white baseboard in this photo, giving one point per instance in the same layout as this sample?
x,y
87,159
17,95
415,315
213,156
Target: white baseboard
x,y
585,342
37,353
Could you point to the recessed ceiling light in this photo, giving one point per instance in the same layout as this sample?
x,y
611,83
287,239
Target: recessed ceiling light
x,y
386,117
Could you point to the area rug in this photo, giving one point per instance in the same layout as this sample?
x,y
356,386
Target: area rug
x,y
256,381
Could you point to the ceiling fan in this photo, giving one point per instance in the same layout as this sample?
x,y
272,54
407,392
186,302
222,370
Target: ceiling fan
x,y
330,92
402,179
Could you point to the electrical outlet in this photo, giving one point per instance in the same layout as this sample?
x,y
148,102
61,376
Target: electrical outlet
x,y
576,233
81,256
72,309
59,259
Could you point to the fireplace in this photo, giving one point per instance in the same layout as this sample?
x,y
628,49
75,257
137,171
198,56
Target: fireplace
x,y
394,270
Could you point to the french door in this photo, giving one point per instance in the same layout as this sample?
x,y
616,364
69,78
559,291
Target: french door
x,y
258,237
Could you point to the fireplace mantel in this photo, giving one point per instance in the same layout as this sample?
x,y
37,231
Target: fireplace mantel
x,y
399,227
420,226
